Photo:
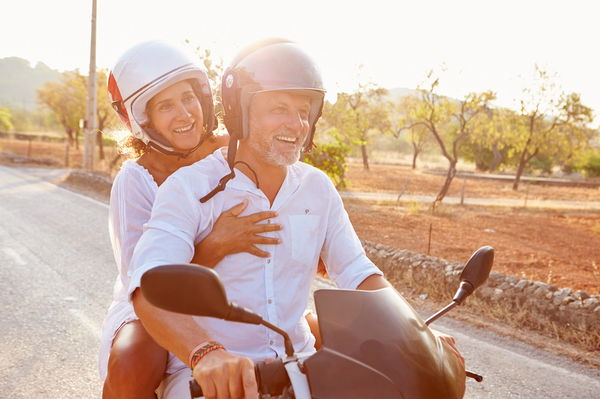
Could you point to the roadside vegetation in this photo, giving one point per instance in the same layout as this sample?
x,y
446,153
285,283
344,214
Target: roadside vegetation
x,y
550,132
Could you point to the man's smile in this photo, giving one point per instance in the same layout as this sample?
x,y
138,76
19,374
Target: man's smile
x,y
286,139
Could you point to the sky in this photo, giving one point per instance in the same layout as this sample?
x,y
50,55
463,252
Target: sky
x,y
474,45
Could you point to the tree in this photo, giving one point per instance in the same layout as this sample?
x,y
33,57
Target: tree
x,y
107,118
25,120
489,146
449,123
357,114
551,123
5,120
418,134
214,70
66,99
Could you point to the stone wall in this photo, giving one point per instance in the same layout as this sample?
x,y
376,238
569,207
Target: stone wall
x,y
545,307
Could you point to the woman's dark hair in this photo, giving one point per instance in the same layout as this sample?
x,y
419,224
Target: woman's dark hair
x,y
132,147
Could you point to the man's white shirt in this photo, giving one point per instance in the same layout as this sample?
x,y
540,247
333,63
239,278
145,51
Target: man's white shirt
x,y
314,223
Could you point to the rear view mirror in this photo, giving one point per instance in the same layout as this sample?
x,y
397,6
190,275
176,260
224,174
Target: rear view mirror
x,y
188,289
477,269
475,273
198,291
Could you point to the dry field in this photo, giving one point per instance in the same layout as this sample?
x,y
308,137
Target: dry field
x,y
555,246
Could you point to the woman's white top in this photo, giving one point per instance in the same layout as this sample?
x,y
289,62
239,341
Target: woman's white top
x,y
131,198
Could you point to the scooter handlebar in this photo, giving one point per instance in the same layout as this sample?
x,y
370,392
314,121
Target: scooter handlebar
x,y
271,378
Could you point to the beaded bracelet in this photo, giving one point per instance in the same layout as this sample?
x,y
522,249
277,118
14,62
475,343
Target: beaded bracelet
x,y
202,350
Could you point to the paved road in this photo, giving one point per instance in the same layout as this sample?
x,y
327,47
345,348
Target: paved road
x,y
56,274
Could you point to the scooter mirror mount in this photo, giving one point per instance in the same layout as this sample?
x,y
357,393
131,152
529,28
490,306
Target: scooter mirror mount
x,y
474,274
198,291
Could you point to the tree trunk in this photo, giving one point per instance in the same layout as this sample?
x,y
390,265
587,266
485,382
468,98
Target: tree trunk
x,y
365,158
520,169
77,140
497,159
100,145
414,159
449,177
69,132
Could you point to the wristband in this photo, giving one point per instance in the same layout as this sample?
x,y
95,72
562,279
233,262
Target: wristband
x,y
202,350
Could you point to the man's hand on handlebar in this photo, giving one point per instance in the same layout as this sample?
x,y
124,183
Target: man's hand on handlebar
x,y
224,375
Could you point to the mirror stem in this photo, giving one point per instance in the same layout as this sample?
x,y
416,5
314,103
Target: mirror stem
x,y
289,348
442,312
464,290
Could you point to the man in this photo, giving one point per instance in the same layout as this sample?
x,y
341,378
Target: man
x,y
272,96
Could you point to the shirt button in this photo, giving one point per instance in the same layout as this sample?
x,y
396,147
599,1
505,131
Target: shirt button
x,y
271,342
268,220
270,301
268,260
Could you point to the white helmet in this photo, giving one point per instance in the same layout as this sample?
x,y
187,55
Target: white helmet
x,y
141,73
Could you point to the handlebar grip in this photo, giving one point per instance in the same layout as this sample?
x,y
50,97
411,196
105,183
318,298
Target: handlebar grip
x,y
271,378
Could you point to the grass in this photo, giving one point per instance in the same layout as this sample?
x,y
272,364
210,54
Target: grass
x,y
413,207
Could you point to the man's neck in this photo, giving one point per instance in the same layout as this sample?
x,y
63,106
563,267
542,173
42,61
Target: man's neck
x,y
270,177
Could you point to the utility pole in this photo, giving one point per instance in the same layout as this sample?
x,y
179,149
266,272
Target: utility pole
x,y
91,120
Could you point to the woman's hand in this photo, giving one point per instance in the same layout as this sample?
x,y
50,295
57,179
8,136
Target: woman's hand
x,y
233,234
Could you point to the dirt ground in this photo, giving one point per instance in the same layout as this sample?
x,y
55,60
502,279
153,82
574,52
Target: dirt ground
x,y
560,247
401,179
555,246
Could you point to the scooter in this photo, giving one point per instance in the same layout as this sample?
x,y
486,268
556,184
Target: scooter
x,y
374,344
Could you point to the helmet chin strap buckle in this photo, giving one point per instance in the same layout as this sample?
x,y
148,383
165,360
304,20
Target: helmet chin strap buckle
x,y
220,187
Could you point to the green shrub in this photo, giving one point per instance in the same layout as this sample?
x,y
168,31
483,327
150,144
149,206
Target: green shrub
x,y
591,165
5,120
542,163
331,159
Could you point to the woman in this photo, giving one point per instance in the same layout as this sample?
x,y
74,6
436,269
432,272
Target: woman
x,y
165,100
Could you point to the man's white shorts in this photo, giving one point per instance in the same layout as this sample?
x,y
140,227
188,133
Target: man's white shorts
x,y
175,386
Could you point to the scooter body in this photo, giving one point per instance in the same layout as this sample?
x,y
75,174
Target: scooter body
x,y
374,344
380,347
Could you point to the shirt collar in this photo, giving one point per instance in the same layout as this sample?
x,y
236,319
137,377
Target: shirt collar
x,y
290,185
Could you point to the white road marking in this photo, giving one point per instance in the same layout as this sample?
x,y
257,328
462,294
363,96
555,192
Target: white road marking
x,y
46,184
87,322
11,253
82,196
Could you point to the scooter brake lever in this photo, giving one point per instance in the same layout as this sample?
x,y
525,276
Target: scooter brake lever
x,y
474,376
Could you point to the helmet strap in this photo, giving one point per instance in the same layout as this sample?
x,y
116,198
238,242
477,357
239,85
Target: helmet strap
x,y
231,151
170,151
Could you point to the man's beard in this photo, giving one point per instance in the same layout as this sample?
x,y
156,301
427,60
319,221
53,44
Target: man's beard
x,y
265,147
